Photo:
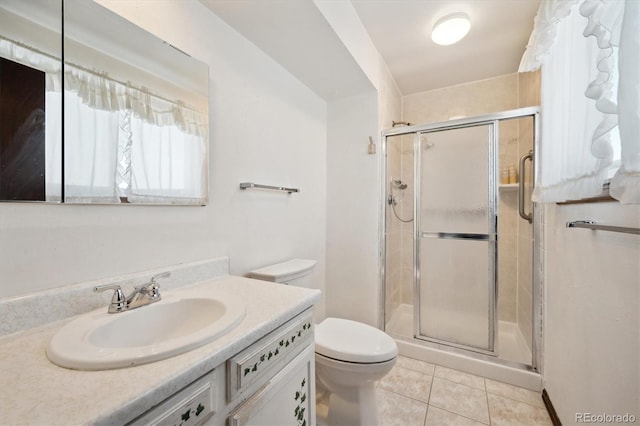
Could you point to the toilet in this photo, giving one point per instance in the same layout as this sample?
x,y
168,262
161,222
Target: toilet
x,y
350,356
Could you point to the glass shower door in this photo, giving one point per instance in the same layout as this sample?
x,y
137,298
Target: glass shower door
x,y
456,237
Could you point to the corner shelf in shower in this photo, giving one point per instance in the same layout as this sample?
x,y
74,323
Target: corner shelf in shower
x,y
508,186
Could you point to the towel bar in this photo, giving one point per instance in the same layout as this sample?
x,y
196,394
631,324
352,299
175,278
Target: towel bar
x,y
247,185
590,224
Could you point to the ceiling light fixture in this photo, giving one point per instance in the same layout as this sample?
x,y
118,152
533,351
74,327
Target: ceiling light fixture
x,y
451,29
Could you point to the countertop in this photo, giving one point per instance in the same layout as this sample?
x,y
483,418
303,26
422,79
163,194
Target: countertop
x,y
35,391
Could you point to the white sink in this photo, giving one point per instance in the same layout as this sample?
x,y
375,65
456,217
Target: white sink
x,y
180,322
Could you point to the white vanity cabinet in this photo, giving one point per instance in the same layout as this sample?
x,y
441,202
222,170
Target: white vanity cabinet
x,y
191,406
272,382
287,399
259,372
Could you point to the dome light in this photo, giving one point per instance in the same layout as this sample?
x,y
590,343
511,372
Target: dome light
x,y
451,29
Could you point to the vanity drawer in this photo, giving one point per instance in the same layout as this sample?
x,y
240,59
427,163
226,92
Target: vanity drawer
x,y
250,367
286,399
191,406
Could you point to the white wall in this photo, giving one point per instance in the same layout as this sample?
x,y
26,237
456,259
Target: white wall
x,y
353,199
592,318
354,176
389,99
266,127
344,20
352,209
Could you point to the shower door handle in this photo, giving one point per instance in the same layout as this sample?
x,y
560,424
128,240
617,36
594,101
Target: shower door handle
x,y
459,236
526,216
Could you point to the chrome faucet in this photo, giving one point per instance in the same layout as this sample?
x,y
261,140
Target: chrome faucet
x,y
142,295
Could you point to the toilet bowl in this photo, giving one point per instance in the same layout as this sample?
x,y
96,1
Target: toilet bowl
x,y
350,359
350,356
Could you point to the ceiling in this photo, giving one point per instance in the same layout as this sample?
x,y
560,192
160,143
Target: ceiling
x,y
401,31
296,35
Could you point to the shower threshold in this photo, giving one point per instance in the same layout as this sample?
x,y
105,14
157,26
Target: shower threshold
x,y
400,327
511,343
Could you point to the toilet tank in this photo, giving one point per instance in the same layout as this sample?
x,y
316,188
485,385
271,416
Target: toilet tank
x,y
295,272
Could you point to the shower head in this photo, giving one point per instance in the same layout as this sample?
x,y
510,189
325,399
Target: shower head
x,y
397,183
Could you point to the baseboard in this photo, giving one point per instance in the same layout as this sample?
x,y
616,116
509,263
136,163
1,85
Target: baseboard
x,y
552,411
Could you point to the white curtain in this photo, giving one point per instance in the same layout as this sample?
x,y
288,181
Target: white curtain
x,y
158,159
584,76
625,185
99,91
569,167
91,152
545,32
120,140
128,143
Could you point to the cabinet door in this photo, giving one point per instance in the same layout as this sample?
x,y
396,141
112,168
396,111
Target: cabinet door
x,y
288,399
191,406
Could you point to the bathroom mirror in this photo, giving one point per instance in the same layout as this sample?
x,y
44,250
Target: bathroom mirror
x,y
135,109
30,100
135,113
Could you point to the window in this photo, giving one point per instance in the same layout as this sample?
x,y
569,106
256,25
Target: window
x,y
590,131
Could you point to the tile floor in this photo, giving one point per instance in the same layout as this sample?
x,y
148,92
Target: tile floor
x,y
422,394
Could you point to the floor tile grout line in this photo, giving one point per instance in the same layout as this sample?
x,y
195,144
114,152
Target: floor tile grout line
x,y
470,387
517,400
406,396
417,371
486,395
457,414
412,399
484,381
458,383
433,376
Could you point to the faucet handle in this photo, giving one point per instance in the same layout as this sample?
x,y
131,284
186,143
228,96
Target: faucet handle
x,y
152,284
152,288
118,301
161,275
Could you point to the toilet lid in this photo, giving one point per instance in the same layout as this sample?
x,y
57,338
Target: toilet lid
x,y
352,341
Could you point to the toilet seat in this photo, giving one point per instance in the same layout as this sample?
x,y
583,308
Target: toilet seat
x,y
352,341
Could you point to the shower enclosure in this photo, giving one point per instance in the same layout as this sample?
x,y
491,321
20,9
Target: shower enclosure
x,y
458,237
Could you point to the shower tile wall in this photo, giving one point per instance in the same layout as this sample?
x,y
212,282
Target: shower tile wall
x,y
394,261
464,100
399,263
389,103
470,99
406,212
508,219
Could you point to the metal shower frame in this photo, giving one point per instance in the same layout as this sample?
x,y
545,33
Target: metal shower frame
x,y
537,232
